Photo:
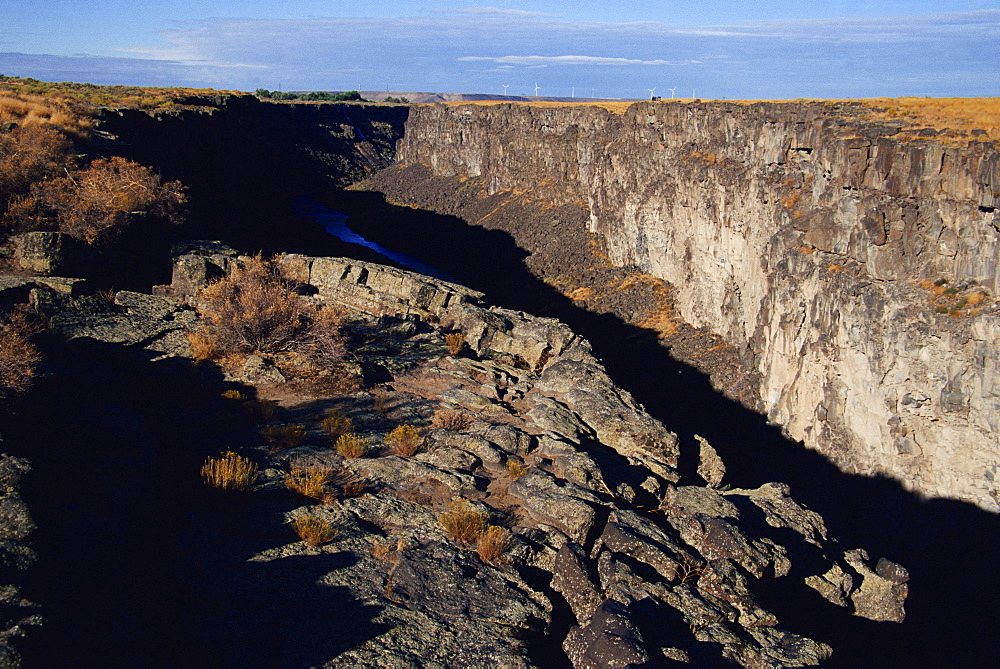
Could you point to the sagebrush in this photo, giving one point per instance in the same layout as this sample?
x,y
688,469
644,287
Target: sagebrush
x,y
255,309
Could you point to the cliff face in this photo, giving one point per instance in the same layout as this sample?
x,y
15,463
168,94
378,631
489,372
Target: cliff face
x,y
854,272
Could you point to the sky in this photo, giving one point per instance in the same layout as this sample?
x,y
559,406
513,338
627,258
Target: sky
x,y
711,49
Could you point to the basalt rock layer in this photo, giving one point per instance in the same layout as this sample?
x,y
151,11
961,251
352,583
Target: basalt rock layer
x,y
854,272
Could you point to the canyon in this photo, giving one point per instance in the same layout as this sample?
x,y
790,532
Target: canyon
x,y
832,279
808,238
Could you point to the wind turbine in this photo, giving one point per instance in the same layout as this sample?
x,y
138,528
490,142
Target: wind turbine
x,y
672,92
650,92
505,87
536,89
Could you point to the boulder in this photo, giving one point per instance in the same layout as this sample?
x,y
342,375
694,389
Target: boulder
x,y
610,639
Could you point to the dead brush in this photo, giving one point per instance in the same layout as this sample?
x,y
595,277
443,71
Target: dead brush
x,y
283,437
380,399
314,531
336,424
312,482
515,470
493,543
455,342
463,522
353,446
229,472
405,440
451,419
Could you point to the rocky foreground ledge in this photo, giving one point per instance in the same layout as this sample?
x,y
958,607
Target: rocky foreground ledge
x,y
610,557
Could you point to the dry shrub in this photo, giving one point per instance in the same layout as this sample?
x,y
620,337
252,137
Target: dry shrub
x,y
455,342
97,203
18,356
312,482
353,446
337,424
463,522
493,543
314,531
254,309
451,419
29,154
380,396
405,440
229,472
283,437
515,470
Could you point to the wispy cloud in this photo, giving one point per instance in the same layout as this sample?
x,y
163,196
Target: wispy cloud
x,y
535,61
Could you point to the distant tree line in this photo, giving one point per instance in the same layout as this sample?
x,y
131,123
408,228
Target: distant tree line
x,y
320,96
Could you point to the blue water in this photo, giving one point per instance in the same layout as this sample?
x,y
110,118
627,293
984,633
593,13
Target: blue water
x,y
335,223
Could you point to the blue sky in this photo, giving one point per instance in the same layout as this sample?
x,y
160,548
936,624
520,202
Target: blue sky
x,y
709,48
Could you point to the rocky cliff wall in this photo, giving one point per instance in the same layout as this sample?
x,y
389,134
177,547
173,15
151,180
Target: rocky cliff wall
x,y
855,272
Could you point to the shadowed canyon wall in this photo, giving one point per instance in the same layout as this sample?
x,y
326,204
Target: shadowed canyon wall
x,y
854,272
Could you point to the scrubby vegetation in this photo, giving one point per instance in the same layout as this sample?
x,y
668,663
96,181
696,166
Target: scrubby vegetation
x,y
463,522
314,531
18,356
82,98
353,446
405,440
254,309
337,424
43,185
283,437
312,482
451,419
98,202
229,472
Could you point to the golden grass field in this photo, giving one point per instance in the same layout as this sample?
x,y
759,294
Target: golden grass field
x,y
68,106
959,116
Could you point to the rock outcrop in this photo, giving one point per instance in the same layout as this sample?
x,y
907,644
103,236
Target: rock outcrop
x,y
855,273
609,558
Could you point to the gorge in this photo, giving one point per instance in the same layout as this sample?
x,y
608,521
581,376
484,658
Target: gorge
x,y
796,253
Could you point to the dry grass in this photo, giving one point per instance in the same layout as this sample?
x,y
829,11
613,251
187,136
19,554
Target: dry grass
x,y
463,522
455,341
353,446
229,472
312,482
283,437
493,543
456,420
26,109
314,531
405,440
959,116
